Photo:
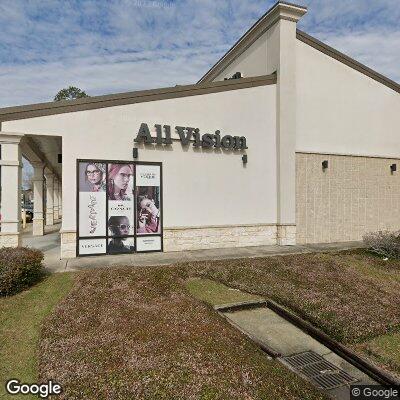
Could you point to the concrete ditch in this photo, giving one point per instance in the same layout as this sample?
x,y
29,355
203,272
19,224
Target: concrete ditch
x,y
290,340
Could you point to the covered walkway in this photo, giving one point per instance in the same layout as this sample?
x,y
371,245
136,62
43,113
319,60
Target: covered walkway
x,y
44,154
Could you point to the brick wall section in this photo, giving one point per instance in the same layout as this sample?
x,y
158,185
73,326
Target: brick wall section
x,y
352,196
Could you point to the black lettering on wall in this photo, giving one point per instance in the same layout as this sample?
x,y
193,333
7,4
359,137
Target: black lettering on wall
x,y
185,139
240,143
144,134
167,130
208,140
159,138
217,137
227,142
196,135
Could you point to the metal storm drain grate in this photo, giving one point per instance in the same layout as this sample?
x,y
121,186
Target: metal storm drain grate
x,y
317,369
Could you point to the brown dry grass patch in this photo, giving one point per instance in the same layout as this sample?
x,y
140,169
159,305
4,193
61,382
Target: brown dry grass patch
x,y
126,333
352,295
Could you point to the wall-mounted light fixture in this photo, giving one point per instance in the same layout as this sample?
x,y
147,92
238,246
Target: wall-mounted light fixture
x,y
393,168
244,158
324,165
135,152
236,75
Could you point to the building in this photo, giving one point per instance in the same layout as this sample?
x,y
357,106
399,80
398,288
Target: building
x,y
302,148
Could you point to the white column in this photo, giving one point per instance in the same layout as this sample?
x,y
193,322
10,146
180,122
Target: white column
x,y
49,198
38,181
56,196
11,179
60,200
282,59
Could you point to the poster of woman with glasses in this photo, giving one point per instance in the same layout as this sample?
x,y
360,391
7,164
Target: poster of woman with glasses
x,y
92,199
92,177
148,199
120,184
148,210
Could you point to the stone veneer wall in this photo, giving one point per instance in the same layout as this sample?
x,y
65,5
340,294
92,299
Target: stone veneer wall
x,y
68,244
354,195
214,237
10,240
211,237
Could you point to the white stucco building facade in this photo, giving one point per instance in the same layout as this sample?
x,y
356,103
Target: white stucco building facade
x,y
322,147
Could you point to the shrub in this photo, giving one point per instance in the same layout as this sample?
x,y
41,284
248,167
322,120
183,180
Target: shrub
x,y
19,268
384,243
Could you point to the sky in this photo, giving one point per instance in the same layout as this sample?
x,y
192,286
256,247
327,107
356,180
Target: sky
x,y
111,46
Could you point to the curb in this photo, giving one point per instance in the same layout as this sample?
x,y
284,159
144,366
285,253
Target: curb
x,y
243,305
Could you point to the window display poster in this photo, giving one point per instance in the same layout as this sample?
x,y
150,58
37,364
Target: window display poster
x,y
150,243
121,245
117,202
120,218
148,211
120,182
120,192
92,199
92,246
148,175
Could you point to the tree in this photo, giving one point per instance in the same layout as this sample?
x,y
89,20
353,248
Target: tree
x,y
70,93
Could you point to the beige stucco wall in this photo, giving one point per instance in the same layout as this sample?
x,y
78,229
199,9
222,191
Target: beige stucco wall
x,y
353,196
201,187
252,62
340,110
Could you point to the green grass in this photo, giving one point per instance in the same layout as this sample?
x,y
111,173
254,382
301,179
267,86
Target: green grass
x,y
21,317
383,350
216,293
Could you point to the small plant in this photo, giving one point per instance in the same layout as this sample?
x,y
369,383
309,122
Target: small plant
x,y
20,268
384,243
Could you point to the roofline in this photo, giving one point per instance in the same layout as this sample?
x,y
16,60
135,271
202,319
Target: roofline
x,y
343,58
142,96
257,29
251,35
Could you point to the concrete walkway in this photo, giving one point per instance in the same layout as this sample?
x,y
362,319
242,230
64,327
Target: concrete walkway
x,y
50,245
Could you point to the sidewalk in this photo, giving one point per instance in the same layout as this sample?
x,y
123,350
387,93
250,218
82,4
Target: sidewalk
x,y
149,259
50,245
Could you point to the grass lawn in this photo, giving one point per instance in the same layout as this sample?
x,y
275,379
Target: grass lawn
x,y
353,296
21,317
129,333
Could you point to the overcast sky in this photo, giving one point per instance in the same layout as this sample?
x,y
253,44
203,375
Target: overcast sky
x,y
115,46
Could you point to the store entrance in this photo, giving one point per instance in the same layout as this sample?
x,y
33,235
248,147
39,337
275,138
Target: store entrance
x,y
119,207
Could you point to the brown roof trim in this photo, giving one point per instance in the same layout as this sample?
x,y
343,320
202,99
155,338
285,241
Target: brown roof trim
x,y
251,35
350,62
112,100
